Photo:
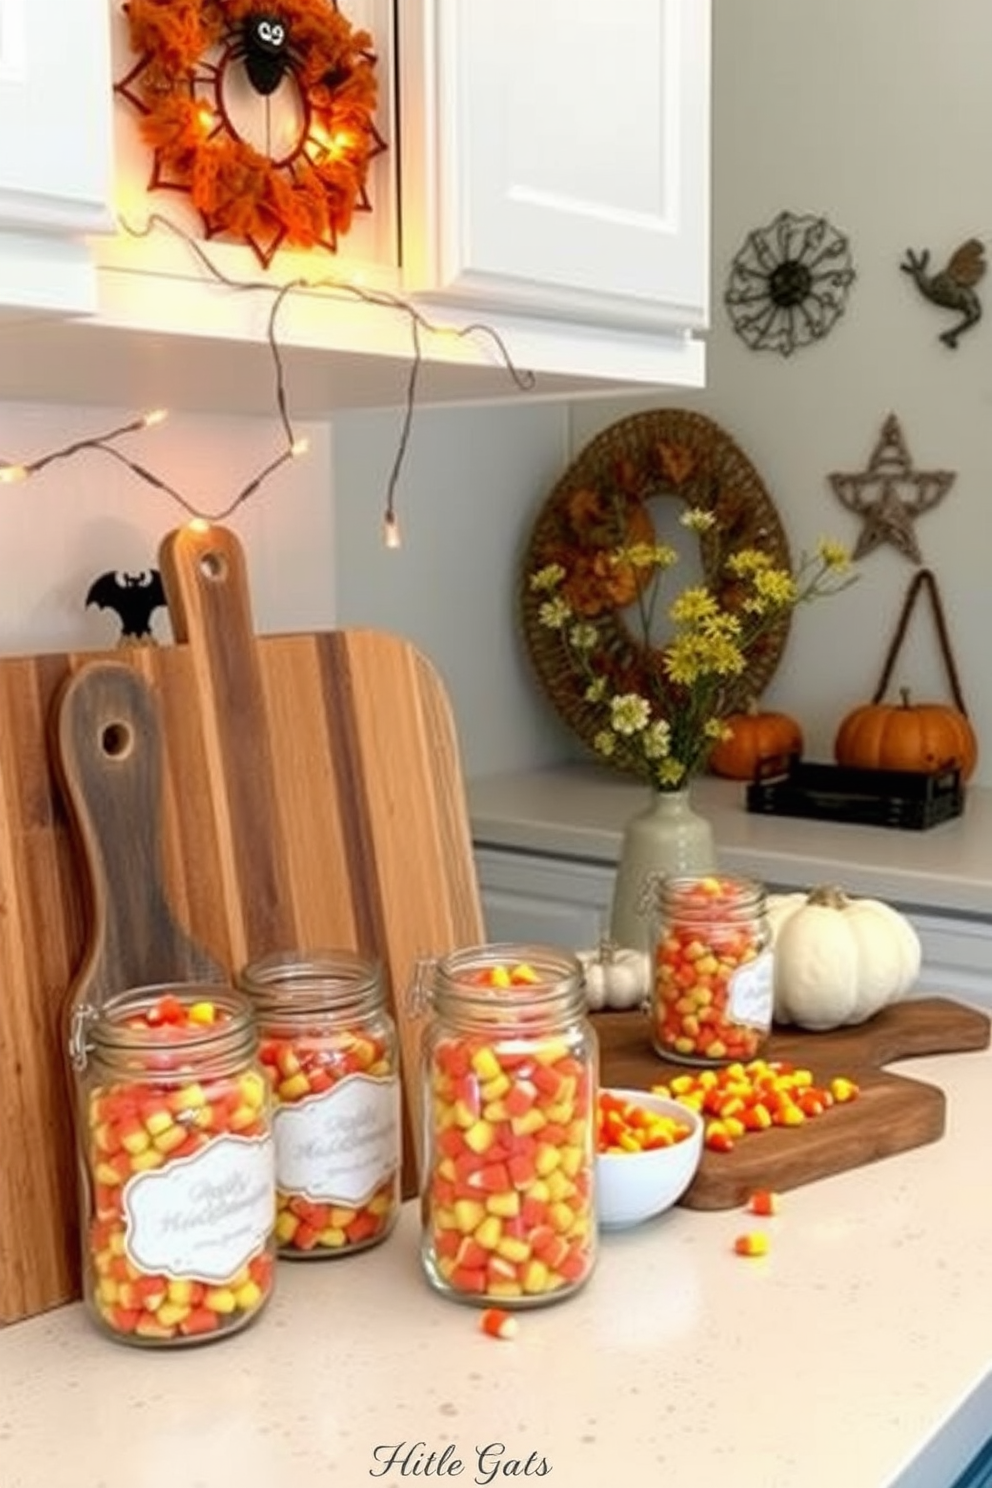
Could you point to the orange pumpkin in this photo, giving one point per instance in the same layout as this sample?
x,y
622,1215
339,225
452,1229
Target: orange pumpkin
x,y
907,736
755,736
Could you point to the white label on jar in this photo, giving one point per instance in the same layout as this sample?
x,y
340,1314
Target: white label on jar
x,y
202,1217
339,1146
751,992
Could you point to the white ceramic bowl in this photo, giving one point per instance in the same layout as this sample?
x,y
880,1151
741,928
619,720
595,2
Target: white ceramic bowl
x,y
634,1186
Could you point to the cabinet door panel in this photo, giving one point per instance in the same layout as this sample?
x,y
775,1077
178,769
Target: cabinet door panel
x,y
55,117
511,917
542,899
573,140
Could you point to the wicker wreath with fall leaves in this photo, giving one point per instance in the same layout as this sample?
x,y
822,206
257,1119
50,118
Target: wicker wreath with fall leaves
x,y
304,197
603,502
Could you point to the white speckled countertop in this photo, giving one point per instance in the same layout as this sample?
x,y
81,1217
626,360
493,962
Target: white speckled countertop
x,y
579,812
856,1354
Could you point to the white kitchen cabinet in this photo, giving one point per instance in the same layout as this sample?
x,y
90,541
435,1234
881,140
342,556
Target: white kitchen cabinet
x,y
555,157
56,160
546,178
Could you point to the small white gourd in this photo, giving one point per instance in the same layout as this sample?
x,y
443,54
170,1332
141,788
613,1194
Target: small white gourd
x,y
839,959
614,976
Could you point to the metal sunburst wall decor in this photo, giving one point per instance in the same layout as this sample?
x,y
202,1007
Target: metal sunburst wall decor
x,y
789,283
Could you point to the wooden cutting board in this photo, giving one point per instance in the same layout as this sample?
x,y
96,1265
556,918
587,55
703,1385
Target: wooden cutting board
x,y
891,1114
311,795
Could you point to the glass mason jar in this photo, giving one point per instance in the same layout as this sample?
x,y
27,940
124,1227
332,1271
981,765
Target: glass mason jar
x,y
510,1089
713,991
177,1164
329,1051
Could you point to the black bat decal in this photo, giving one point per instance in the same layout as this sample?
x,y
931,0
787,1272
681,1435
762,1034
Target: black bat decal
x,y
132,597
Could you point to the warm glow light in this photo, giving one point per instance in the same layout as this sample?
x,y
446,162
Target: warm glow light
x,y
391,532
199,524
341,143
299,447
156,416
205,116
11,473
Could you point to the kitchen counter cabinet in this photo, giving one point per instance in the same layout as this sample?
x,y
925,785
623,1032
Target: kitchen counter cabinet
x,y
547,843
857,1352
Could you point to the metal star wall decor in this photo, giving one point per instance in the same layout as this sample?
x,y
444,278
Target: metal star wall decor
x,y
890,494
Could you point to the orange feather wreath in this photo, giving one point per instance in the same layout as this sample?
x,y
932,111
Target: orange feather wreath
x,y
307,197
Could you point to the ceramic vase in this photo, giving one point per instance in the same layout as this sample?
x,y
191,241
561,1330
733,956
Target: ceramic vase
x,y
667,839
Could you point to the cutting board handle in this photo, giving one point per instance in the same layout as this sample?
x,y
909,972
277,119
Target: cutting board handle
x,y
206,582
109,757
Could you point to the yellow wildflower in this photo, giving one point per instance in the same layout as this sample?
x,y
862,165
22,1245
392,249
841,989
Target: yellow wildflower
x,y
834,554
555,614
548,577
629,713
692,606
698,519
775,586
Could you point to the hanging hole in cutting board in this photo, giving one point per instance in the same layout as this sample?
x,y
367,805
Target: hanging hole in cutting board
x,y
117,740
213,566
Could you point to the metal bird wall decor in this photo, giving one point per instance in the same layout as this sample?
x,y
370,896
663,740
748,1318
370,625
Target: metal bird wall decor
x,y
134,598
953,288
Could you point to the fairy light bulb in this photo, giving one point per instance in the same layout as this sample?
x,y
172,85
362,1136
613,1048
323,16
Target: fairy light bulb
x,y
391,531
11,473
199,525
154,417
299,447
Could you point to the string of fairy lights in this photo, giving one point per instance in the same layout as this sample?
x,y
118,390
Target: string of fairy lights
x,y
108,442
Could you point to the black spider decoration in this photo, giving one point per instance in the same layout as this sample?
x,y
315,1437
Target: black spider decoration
x,y
265,49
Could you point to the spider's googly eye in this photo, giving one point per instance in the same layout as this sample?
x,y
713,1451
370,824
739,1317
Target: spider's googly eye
x,y
273,33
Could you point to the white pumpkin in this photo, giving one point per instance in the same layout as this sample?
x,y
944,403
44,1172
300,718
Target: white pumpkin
x,y
838,959
614,976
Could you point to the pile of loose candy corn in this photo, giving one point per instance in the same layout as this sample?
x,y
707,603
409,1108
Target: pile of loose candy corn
x,y
752,1097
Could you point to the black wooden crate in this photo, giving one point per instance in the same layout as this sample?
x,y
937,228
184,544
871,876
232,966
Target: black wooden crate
x,y
908,799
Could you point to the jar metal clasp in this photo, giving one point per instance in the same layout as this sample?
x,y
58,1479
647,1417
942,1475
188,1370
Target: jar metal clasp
x,y
419,999
79,1045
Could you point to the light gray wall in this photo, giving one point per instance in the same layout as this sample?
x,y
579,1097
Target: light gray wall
x,y
878,116
468,487
79,517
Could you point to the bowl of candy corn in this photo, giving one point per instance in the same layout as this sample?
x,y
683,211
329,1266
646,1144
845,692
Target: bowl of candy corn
x,y
648,1150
